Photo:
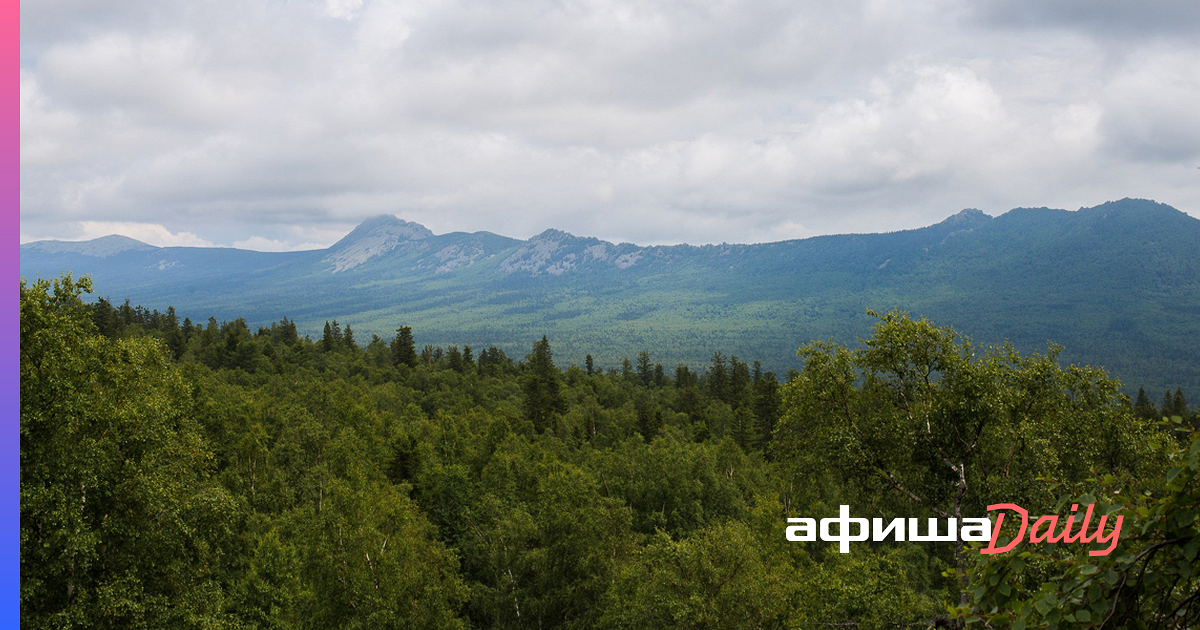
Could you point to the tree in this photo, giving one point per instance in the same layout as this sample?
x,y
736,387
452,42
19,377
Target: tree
x,y
590,365
454,359
541,384
1179,404
468,358
767,404
645,369
649,417
744,430
1151,583
932,422
328,339
739,382
404,350
718,578
121,523
1142,407
718,379
684,377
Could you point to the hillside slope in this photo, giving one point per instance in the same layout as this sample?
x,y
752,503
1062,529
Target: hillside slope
x,y
1117,284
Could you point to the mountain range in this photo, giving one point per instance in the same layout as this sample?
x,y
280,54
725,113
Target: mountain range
x,y
1118,285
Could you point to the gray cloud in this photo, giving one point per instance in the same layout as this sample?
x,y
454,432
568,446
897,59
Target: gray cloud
x,y
1109,18
282,124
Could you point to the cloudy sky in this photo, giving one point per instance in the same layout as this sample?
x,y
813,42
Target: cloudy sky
x,y
280,124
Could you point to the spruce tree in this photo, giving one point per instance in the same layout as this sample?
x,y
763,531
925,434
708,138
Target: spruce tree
x,y
543,396
745,428
404,350
468,358
718,380
1142,407
455,359
644,369
327,340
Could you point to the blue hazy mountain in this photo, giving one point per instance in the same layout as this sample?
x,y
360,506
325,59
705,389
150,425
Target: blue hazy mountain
x,y
1118,285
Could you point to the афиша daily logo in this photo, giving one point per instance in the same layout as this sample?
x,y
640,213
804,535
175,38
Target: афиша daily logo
x,y
1045,529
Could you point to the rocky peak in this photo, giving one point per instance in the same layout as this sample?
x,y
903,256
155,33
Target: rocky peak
x,y
373,237
966,219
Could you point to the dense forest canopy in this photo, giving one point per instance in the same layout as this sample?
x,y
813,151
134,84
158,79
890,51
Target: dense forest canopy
x,y
187,475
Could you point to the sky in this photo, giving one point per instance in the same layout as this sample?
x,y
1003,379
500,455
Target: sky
x,y
281,124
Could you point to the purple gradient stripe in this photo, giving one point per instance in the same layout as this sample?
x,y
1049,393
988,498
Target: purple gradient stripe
x,y
10,316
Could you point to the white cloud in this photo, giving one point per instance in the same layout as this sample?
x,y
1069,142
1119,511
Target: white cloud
x,y
151,233
650,121
343,9
260,244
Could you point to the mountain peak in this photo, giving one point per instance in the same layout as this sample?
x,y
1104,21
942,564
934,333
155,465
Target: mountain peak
x,y
373,237
387,224
553,234
966,219
102,247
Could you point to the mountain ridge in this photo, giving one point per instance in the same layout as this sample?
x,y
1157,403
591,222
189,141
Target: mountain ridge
x,y
1118,284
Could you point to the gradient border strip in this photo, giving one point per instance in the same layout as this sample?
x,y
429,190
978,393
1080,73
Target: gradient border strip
x,y
10,316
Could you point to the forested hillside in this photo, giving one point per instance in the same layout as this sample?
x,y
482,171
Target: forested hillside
x,y
223,476
1117,285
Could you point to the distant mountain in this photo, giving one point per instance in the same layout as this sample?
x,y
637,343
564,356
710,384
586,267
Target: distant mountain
x,y
1118,285
98,247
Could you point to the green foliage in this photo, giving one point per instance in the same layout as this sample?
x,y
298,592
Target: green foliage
x,y
404,349
543,402
1149,581
919,419
122,525
176,475
716,579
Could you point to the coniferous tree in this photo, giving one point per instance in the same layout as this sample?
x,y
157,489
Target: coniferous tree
x,y
468,358
455,359
649,417
768,403
543,398
684,377
1142,407
284,333
404,350
718,379
739,382
590,365
105,318
744,430
126,314
327,339
645,369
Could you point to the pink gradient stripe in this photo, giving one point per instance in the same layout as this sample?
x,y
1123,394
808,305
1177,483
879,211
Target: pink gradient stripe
x,y
10,316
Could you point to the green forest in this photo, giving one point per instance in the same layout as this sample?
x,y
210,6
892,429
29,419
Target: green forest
x,y
206,475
